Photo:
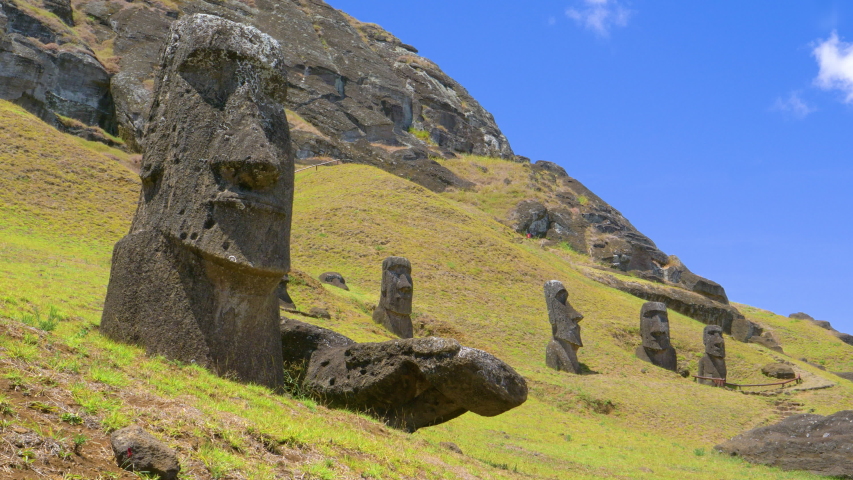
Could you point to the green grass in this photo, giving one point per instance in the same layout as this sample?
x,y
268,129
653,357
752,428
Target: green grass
x,y
474,280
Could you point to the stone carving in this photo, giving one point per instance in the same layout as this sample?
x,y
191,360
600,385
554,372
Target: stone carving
x,y
394,311
334,278
779,370
562,351
195,279
284,300
654,328
821,445
713,363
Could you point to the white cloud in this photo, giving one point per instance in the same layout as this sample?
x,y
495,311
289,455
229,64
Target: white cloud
x,y
835,59
793,105
600,16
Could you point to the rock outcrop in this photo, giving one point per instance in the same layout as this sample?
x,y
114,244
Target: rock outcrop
x,y
138,451
818,444
844,337
409,384
196,278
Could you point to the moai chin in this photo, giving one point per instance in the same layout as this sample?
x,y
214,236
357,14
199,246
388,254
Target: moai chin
x,y
713,363
394,311
562,351
654,328
195,279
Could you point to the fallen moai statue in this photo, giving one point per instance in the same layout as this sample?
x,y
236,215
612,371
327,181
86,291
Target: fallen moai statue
x,y
818,444
195,280
394,311
562,351
407,383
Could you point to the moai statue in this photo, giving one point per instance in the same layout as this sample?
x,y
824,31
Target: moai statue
x,y
654,328
562,351
394,311
284,300
713,363
195,280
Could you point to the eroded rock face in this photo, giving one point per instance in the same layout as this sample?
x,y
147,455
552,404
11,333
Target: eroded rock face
x,y
414,383
654,328
818,444
195,279
562,351
713,363
394,311
138,451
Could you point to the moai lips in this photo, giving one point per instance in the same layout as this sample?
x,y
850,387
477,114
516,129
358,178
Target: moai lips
x,y
195,279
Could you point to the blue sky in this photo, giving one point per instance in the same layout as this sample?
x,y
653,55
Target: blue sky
x,y
722,130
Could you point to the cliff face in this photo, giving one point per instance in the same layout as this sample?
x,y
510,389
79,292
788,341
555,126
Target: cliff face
x,y
356,93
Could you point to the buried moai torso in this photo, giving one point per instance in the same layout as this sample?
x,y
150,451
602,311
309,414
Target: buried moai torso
x,y
713,363
654,328
195,279
394,311
562,351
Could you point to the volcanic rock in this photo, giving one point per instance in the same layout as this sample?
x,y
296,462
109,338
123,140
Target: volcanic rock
x,y
818,444
334,278
778,370
414,383
300,340
138,451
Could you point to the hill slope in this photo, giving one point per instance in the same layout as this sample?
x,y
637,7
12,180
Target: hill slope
x,y
65,203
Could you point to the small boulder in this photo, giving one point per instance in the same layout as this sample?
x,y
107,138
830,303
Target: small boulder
x,y
818,444
138,451
530,217
317,312
335,279
778,370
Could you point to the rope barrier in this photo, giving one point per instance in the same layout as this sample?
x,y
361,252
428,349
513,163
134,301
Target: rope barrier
x,y
721,382
319,164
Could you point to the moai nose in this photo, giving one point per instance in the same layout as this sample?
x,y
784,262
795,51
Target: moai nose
x,y
243,154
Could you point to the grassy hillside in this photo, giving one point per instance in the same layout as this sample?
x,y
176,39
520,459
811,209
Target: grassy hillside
x,y
65,202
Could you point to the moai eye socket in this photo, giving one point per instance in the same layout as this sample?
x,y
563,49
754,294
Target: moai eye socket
x,y
213,75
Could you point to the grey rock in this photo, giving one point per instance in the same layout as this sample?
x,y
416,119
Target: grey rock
x,y
195,279
713,363
394,311
654,329
550,167
814,443
562,351
778,370
138,451
318,312
414,383
334,278
62,9
530,218
767,340
801,316
300,340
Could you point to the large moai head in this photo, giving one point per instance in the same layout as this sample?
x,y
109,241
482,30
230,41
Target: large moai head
x,y
396,285
715,345
654,326
217,174
564,319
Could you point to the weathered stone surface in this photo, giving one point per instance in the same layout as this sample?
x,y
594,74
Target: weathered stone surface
x,y
395,301
300,340
713,363
684,302
138,451
530,218
62,9
778,370
196,278
284,300
818,444
414,383
654,328
562,351
334,278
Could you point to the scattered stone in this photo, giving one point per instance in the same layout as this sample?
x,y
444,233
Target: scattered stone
x,y
196,278
713,363
317,312
138,451
778,370
300,340
284,300
334,278
394,311
654,328
562,351
452,447
818,444
414,383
